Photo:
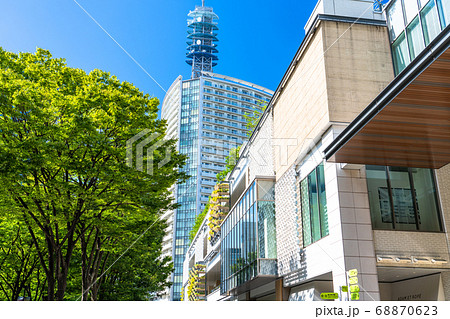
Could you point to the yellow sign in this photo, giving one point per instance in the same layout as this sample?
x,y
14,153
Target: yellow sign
x,y
354,288
353,280
329,295
353,273
354,296
344,288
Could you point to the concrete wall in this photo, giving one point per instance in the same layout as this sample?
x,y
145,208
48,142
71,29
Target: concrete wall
x,y
358,66
301,111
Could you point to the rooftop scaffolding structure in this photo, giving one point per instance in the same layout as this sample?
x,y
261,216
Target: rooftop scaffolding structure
x,y
202,38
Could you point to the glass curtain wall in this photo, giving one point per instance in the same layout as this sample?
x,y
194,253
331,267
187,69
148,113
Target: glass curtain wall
x,y
403,198
186,192
248,236
413,24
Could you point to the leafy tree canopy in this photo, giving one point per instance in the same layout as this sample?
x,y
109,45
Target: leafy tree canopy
x,y
62,162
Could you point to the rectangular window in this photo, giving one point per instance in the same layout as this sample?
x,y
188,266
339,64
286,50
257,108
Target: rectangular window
x,y
444,12
402,198
430,22
395,18
379,199
322,200
411,10
400,51
314,206
426,199
415,38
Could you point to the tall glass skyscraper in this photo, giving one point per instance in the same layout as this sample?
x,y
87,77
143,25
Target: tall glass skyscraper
x,y
206,115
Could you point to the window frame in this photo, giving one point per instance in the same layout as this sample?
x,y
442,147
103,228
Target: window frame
x,y
414,201
422,4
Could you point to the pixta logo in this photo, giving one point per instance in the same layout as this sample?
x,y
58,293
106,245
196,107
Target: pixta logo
x,y
151,143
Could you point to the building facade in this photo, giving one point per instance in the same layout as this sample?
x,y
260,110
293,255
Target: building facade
x,y
358,174
206,113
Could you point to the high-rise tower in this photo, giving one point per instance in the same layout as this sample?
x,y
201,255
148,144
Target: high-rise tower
x,y
202,38
206,115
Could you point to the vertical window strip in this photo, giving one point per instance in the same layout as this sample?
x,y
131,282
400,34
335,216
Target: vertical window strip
x,y
322,200
391,201
414,199
314,206
306,222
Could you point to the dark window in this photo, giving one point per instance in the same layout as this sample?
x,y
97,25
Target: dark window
x,y
402,198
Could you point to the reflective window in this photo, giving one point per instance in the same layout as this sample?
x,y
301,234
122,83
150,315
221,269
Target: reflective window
x,y
313,206
444,12
412,29
411,10
415,38
430,22
402,198
249,248
400,52
395,18
425,192
307,240
379,199
322,200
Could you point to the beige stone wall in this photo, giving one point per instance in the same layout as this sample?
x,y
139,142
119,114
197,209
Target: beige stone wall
x,y
358,67
403,243
341,70
301,110
445,276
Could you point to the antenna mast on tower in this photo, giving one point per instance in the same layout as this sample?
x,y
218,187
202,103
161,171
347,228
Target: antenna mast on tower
x,y
202,38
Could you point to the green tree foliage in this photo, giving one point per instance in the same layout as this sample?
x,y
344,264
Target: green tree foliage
x,y
253,117
139,271
20,274
62,162
230,161
198,221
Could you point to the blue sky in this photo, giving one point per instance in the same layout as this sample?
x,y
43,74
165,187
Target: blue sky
x,y
257,39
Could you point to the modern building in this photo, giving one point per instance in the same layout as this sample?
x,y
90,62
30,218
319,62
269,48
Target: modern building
x,y
206,113
357,177
399,144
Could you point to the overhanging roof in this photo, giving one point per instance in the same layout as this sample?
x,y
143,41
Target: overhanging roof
x,y
408,124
